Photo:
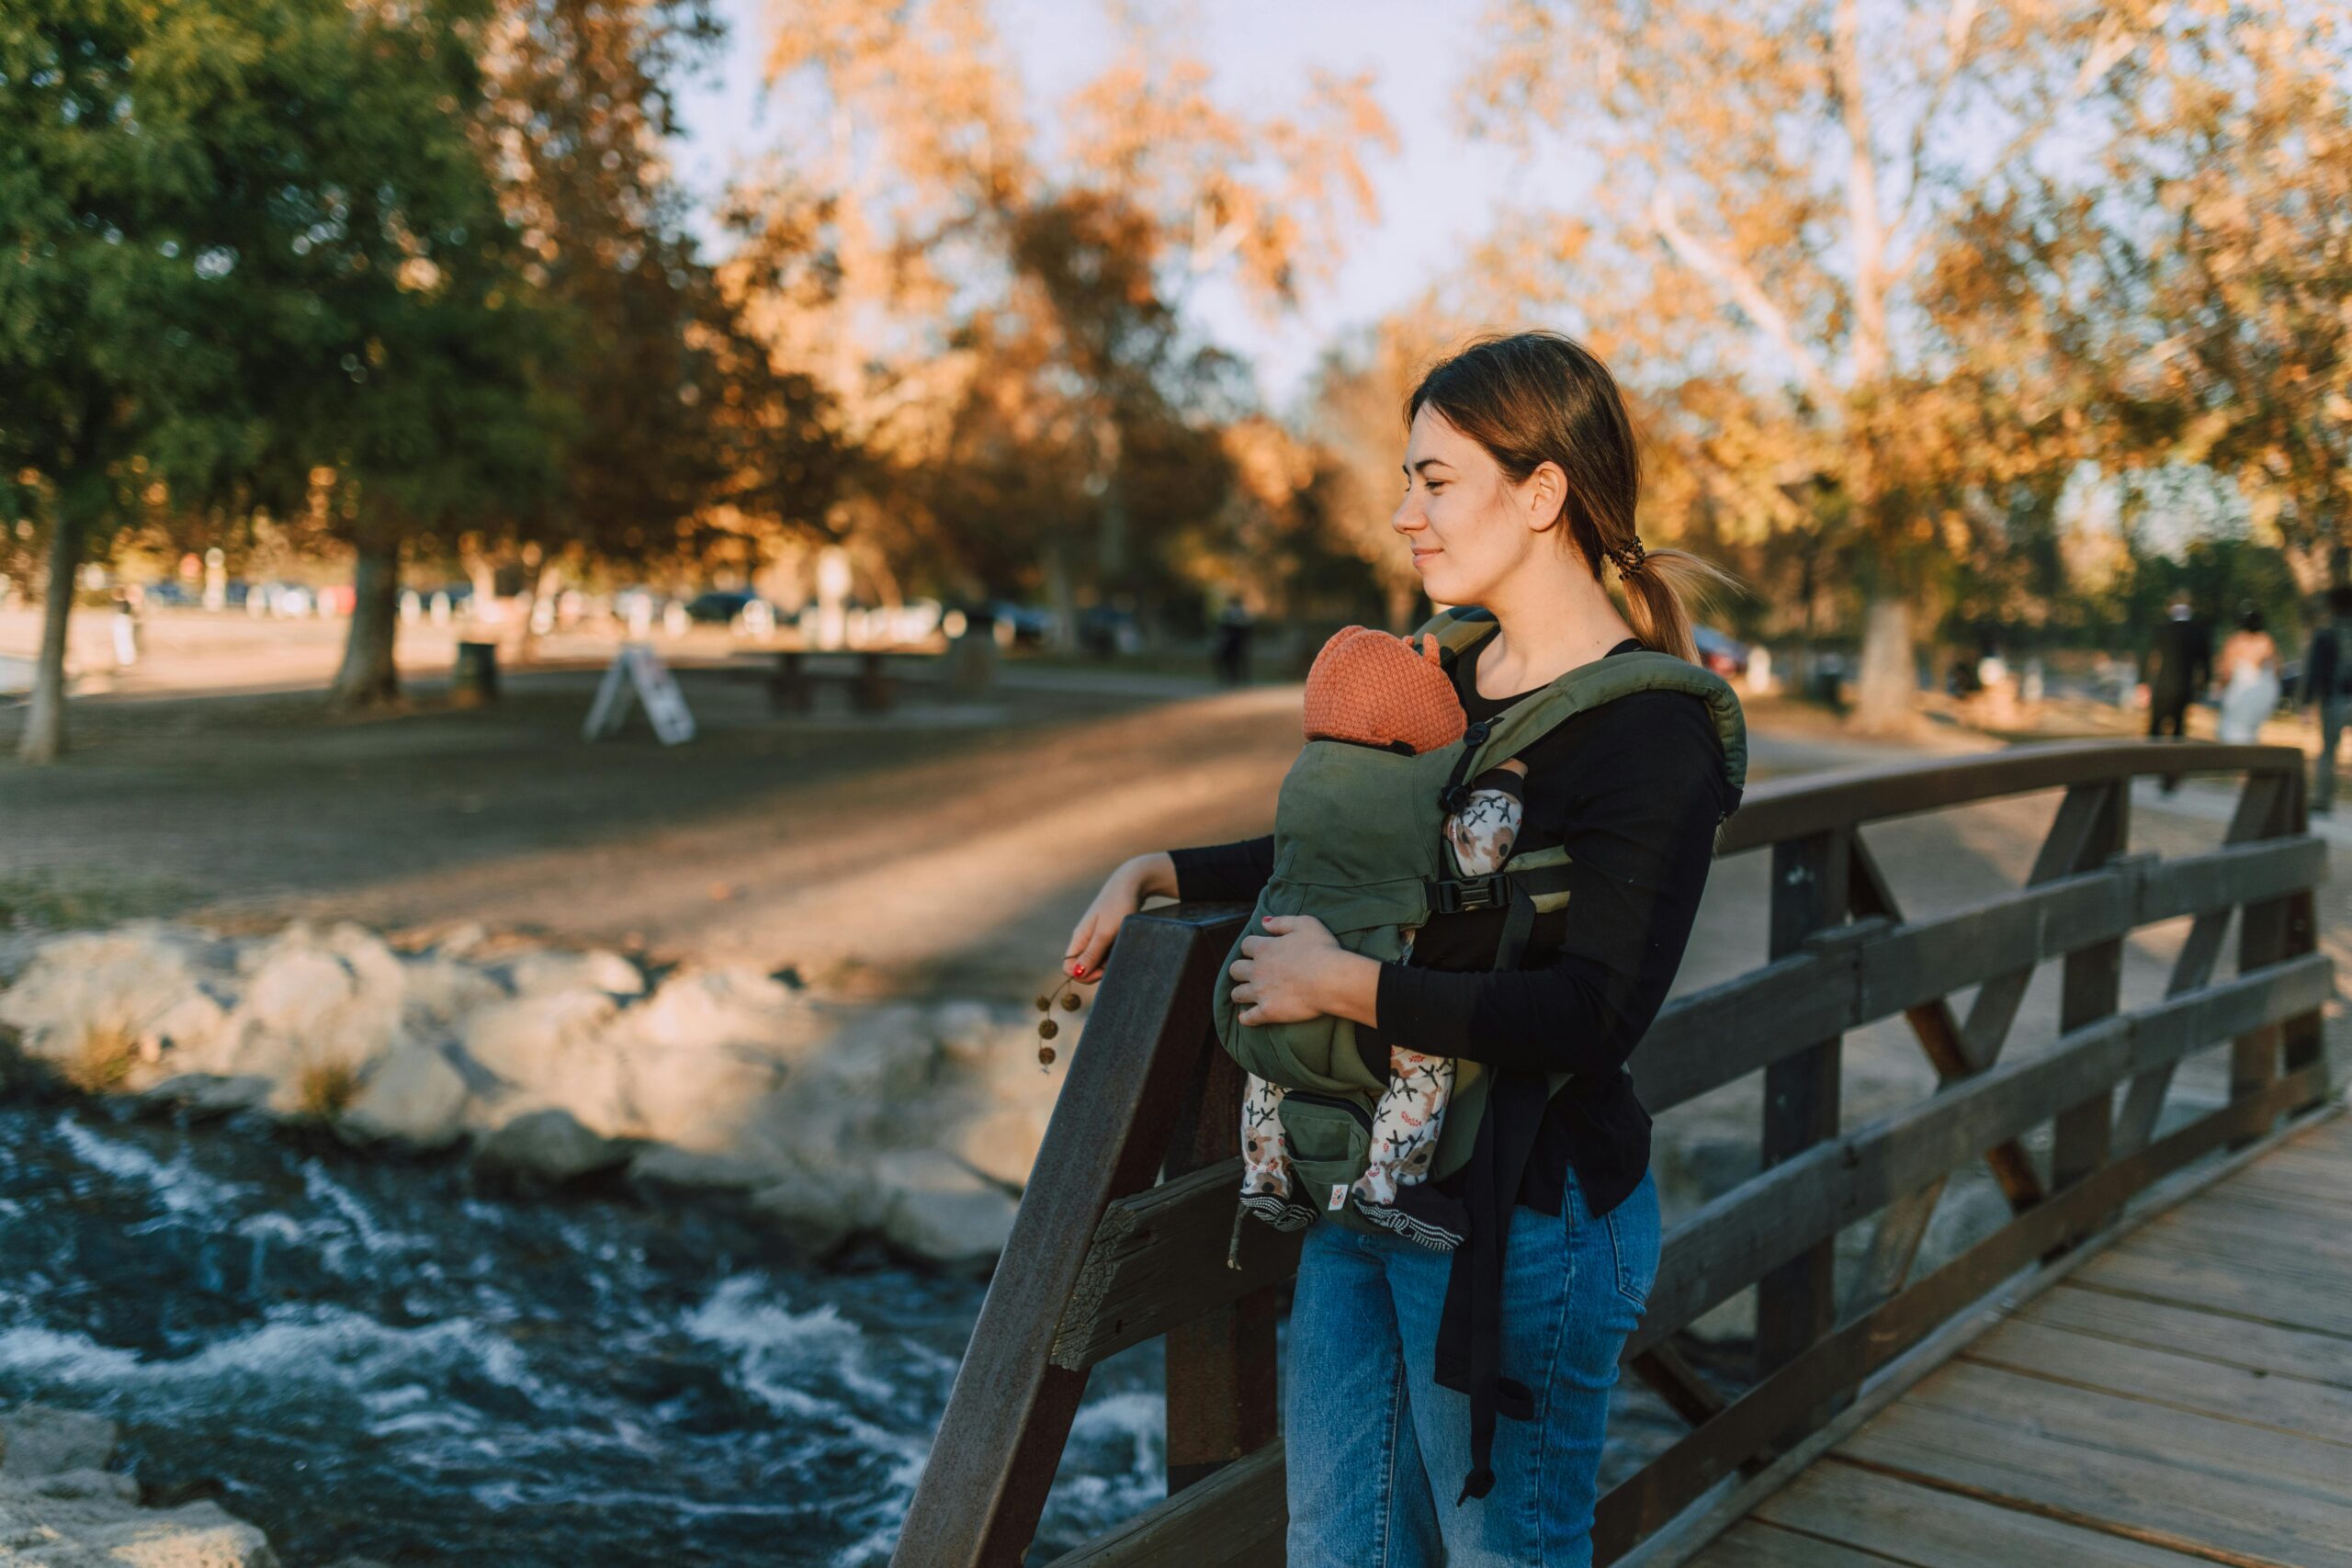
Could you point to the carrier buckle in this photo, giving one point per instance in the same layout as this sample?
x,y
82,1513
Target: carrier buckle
x,y
1453,896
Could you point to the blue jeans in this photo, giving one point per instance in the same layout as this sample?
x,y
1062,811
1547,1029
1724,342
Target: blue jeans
x,y
1376,1451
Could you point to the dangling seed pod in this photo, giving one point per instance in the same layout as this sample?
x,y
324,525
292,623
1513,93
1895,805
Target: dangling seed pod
x,y
1045,1056
1047,1029
1071,1003
1045,1004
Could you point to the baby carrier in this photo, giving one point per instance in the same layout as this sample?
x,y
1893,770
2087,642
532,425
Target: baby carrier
x,y
1360,845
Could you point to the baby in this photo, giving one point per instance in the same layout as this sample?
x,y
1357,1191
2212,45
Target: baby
x,y
1372,689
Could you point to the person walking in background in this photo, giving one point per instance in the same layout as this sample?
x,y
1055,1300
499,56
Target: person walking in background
x,y
2248,673
2181,658
2328,681
1233,626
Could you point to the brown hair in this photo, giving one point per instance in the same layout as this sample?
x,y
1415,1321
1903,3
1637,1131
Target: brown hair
x,y
1537,396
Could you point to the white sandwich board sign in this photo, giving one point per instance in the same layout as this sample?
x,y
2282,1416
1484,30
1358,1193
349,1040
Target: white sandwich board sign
x,y
637,672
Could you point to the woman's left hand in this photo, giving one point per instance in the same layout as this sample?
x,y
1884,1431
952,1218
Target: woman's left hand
x,y
1280,979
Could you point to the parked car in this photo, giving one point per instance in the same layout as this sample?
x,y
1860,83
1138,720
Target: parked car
x,y
725,606
171,592
1719,653
1030,624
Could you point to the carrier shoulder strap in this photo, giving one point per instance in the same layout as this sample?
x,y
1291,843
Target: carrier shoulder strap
x,y
1541,874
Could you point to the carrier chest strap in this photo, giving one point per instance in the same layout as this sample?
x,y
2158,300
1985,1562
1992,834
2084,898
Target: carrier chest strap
x,y
1543,875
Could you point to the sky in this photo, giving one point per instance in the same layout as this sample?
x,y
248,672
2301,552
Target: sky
x,y
1437,195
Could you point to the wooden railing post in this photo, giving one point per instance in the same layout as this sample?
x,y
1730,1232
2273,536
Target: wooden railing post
x,y
2302,1043
2091,987
1008,1414
1221,1372
2266,933
1797,1302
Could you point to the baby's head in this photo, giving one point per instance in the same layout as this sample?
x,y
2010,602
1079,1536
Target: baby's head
x,y
1372,688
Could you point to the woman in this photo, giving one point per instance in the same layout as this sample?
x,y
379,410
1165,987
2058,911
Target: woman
x,y
1520,478
2247,672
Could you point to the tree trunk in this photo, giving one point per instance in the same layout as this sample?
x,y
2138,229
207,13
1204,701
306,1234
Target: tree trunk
x,y
1061,591
541,584
368,677
1887,689
44,737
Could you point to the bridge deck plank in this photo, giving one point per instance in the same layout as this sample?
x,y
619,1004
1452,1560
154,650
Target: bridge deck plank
x,y
2185,1396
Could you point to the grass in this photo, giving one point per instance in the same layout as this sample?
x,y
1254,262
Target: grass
x,y
84,899
326,1086
100,1061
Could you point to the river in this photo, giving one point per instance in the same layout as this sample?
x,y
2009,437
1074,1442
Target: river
x,y
366,1356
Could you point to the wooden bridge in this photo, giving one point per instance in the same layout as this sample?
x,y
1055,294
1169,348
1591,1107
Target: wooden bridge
x,y
2083,1385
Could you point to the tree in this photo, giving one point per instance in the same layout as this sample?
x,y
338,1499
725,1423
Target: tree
x,y
2224,312
245,240
944,228
1787,172
131,308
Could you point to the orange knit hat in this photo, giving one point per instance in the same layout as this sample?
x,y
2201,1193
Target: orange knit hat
x,y
1369,686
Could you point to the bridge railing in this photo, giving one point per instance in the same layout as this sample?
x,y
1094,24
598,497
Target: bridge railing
x,y
1123,1235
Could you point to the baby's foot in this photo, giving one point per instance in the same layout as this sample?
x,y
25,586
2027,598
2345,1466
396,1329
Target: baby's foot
x,y
1280,1211
1422,1215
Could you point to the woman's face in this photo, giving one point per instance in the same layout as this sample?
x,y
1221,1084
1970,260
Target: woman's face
x,y
1468,526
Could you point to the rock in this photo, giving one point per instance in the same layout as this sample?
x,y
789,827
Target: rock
x,y
703,1008
439,991
938,1209
85,1483
40,1439
816,1207
1002,1145
411,1095
665,1169
88,1002
110,1531
463,939
526,1041
969,1032
549,1145
315,1013
212,1094
596,970
699,1100
882,1055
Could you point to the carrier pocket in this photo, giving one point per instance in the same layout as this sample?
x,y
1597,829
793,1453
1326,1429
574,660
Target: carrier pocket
x,y
1330,1143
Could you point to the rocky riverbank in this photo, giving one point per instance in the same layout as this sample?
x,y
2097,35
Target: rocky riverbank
x,y
63,1507
546,1067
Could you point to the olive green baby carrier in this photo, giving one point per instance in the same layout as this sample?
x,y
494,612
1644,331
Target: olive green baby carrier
x,y
1360,844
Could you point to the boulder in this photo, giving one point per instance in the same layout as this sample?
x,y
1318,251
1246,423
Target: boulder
x,y
105,1007
665,1169
937,1208
439,991
595,970
817,1207
85,1483
107,1530
40,1439
211,1094
315,1012
411,1095
699,1099
527,1040
549,1145
881,1054
731,1004
1002,1144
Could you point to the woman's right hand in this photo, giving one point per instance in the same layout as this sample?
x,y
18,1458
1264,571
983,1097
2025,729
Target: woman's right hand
x,y
1123,894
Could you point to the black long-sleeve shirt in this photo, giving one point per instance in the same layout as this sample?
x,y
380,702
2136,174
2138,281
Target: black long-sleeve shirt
x,y
1634,789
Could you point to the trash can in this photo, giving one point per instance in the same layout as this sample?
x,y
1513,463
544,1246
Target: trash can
x,y
473,679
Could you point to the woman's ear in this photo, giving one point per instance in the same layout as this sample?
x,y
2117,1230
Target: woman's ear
x,y
1547,496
